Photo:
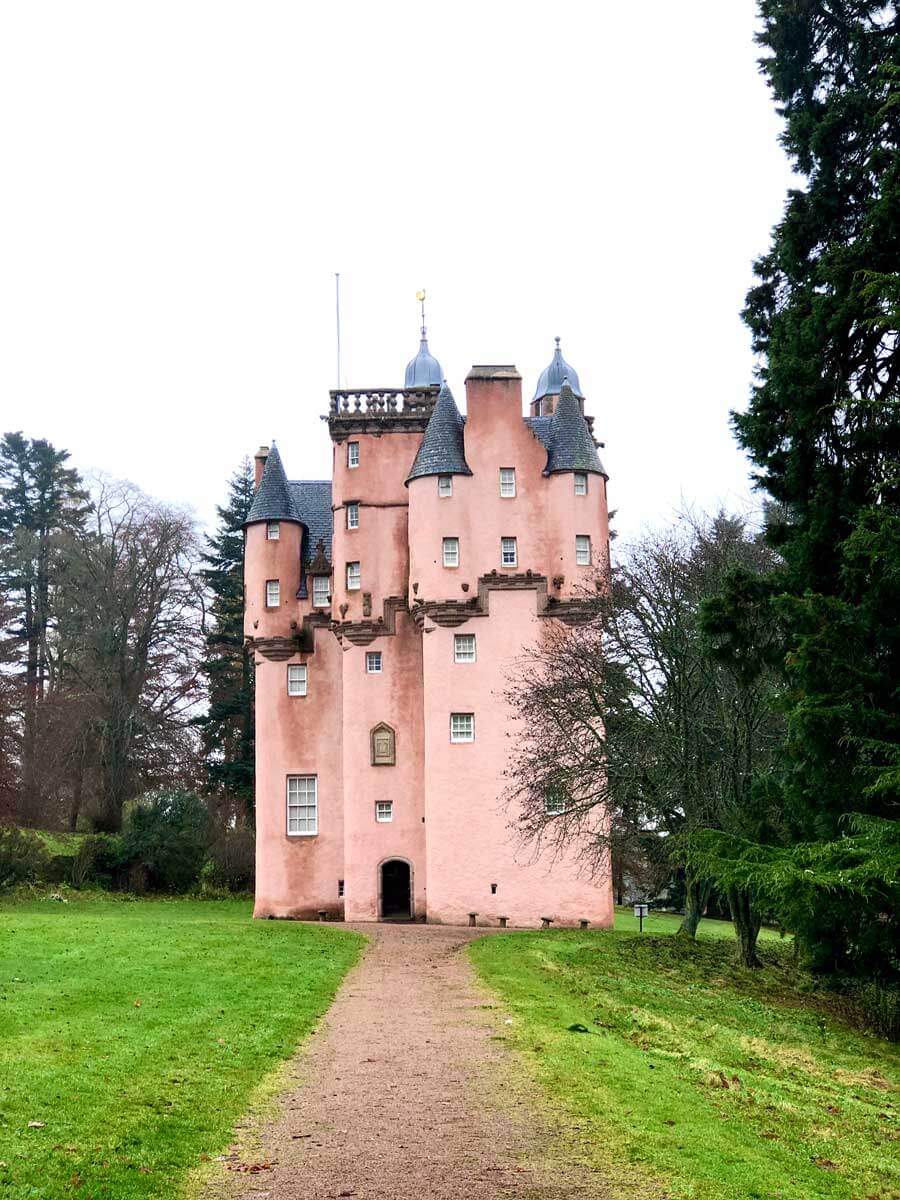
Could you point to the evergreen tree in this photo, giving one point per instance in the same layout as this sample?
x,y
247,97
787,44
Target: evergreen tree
x,y
227,728
823,430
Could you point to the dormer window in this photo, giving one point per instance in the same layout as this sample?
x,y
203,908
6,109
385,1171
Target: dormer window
x,y
321,590
353,515
580,483
353,454
273,531
445,485
507,482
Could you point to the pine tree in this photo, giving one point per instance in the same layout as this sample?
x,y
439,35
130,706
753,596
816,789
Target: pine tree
x,y
823,427
227,728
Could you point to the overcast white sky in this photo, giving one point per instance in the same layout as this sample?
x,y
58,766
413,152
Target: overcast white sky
x,y
181,180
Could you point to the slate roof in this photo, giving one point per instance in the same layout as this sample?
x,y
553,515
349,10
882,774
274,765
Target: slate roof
x,y
566,437
312,500
442,451
424,370
553,377
273,500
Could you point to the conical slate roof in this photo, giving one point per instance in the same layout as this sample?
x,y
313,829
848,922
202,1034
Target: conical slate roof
x,y
570,446
442,451
424,370
274,499
552,378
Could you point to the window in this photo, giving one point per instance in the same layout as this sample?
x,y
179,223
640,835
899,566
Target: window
x,y
554,802
354,579
384,810
507,481
451,552
340,888
373,662
273,531
445,485
353,515
464,647
302,806
296,679
580,483
462,727
509,556
321,590
353,454
583,550
273,593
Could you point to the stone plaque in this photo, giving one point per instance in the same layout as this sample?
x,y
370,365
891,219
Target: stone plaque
x,y
384,751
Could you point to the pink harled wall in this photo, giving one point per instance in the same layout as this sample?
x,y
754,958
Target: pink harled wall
x,y
470,844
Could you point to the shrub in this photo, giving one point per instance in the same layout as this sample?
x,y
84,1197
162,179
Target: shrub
x,y
99,860
165,841
232,861
23,857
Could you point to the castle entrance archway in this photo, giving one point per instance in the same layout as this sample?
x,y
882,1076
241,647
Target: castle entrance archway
x,y
395,890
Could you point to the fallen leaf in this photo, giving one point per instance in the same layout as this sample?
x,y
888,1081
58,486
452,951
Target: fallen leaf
x,y
826,1164
137,1004
37,1124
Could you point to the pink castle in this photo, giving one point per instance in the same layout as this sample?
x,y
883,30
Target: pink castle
x,y
385,608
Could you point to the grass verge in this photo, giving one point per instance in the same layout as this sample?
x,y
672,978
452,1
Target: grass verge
x,y
131,1035
682,1075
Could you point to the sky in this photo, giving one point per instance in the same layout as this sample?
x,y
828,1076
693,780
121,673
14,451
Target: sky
x,y
182,180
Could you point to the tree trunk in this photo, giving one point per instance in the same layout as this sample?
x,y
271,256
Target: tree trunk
x,y
746,927
696,895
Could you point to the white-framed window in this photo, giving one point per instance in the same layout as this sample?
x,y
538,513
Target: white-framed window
x,y
509,552
353,454
583,550
451,551
580,483
321,591
554,803
296,679
273,531
302,806
464,647
373,662
462,727
507,482
353,515
384,810
354,577
445,485
273,593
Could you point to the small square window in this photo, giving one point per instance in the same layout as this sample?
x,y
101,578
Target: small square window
x,y
302,806
296,679
354,577
321,591
464,647
509,554
583,550
507,482
273,593
373,662
273,531
353,515
580,483
462,727
451,552
340,888
384,810
353,454
445,485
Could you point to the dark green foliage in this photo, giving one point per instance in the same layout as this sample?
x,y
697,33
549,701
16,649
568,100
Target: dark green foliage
x,y
23,857
823,431
227,732
166,836
232,860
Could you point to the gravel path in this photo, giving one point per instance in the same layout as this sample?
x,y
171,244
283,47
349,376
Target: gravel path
x,y
406,1091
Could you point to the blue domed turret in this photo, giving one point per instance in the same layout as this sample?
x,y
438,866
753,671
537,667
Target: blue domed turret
x,y
424,370
553,377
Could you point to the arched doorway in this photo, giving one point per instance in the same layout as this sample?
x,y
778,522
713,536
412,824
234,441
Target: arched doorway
x,y
396,890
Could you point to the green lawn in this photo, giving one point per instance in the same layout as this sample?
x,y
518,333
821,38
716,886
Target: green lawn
x,y
682,1075
133,1032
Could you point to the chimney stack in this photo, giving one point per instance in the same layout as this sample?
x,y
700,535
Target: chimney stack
x,y
493,396
260,459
